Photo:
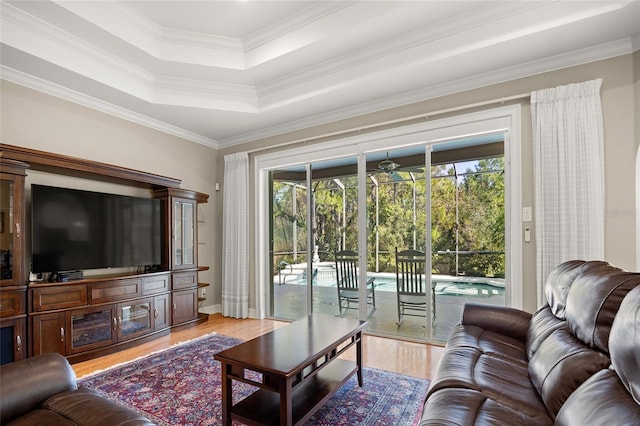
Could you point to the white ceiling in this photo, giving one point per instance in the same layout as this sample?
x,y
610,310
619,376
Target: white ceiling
x,y
227,72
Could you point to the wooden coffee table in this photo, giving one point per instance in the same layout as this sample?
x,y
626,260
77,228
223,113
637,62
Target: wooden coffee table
x,y
297,368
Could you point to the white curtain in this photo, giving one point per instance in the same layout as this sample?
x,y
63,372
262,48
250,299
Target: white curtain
x,y
235,238
568,146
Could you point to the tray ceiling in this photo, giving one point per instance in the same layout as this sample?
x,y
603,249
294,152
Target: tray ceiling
x,y
227,72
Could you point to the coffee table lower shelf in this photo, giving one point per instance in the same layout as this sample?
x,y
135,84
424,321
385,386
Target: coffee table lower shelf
x,y
263,406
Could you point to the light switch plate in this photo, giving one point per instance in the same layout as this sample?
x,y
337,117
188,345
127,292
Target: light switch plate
x,y
527,214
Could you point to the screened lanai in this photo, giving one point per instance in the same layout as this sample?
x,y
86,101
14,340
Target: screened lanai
x,y
315,205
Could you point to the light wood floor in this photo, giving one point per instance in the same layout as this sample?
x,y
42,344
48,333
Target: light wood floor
x,y
413,359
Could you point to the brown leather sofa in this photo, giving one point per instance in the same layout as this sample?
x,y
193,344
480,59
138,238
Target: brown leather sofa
x,y
43,391
575,361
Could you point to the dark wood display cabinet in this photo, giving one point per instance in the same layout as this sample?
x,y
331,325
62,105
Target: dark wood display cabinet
x,y
95,315
12,278
80,320
181,209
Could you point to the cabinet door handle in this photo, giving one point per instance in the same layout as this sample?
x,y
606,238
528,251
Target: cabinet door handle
x,y
62,334
18,343
155,313
175,308
17,230
120,323
115,323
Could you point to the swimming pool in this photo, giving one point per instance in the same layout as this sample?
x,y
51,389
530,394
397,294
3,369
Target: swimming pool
x,y
385,281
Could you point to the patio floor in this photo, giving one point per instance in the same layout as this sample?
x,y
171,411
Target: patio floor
x,y
290,304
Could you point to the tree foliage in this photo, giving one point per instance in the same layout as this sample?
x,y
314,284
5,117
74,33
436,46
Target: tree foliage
x,y
467,217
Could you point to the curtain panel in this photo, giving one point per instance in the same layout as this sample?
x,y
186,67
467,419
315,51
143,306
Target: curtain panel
x,y
235,238
568,145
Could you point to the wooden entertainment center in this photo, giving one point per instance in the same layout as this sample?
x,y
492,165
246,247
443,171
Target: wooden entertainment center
x,y
92,316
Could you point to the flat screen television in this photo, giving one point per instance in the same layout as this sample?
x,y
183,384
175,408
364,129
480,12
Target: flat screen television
x,y
77,230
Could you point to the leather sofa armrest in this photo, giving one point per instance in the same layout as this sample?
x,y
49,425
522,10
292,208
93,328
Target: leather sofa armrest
x,y
500,319
25,384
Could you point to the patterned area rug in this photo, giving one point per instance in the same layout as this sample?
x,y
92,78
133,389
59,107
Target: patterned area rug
x,y
181,386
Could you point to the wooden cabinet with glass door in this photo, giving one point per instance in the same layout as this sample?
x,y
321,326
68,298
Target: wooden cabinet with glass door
x,y
12,277
181,250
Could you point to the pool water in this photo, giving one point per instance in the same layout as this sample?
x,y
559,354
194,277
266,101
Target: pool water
x,y
445,285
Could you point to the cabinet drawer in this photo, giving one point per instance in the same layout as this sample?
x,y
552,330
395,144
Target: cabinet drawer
x,y
59,297
12,303
185,280
113,291
155,284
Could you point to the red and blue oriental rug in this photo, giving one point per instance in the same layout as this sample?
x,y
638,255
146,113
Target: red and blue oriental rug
x,y
181,386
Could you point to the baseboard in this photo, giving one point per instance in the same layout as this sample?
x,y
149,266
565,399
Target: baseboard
x,y
211,309
217,309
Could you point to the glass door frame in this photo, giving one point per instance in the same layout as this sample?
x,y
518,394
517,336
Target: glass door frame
x,y
504,120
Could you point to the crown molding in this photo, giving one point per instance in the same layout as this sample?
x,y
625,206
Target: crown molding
x,y
600,52
61,92
310,14
579,57
127,24
476,24
30,34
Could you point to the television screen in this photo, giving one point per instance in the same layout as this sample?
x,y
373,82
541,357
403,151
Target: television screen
x,y
75,230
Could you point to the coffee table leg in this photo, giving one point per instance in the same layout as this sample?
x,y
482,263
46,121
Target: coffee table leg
x,y
359,357
286,404
227,396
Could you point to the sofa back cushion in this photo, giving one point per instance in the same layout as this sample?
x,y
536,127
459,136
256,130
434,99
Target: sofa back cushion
x,y
567,340
551,316
625,344
561,279
593,302
561,365
612,396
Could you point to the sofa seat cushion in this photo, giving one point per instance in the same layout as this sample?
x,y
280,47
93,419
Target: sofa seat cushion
x,y
41,417
468,407
87,407
498,379
488,343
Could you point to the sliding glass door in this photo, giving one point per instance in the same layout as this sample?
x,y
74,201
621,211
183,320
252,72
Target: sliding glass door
x,y
453,189
396,205
434,206
468,234
313,217
289,254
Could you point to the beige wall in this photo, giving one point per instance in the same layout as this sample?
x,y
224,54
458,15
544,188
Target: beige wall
x,y
618,92
35,120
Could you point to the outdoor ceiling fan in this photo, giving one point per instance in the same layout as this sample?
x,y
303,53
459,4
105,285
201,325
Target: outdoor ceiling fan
x,y
389,166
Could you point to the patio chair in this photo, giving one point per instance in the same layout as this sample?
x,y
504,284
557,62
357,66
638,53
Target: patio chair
x,y
412,285
347,282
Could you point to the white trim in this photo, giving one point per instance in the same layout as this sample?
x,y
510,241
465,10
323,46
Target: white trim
x,y
637,212
575,58
261,250
362,234
498,120
428,242
49,88
211,309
